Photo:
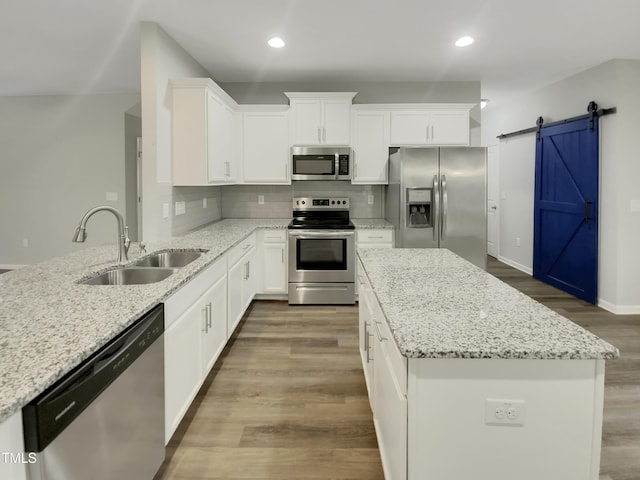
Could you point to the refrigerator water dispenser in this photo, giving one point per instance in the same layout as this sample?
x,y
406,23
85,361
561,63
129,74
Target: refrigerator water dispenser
x,y
419,207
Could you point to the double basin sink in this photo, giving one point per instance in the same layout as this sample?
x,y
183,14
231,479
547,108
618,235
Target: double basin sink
x,y
150,269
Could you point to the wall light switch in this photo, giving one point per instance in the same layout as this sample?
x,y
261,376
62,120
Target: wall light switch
x,y
25,242
112,196
635,206
165,210
181,208
204,202
260,199
370,199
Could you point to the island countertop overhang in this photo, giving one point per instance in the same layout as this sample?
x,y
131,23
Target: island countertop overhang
x,y
438,305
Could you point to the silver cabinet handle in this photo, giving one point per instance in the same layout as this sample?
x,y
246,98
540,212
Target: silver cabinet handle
x,y
248,269
445,204
375,237
248,245
324,134
282,251
427,138
209,319
319,136
436,210
205,319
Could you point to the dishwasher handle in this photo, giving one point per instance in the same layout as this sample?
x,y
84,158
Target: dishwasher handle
x,y
51,412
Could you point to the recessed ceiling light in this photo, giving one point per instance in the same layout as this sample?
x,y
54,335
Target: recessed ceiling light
x,y
276,42
464,41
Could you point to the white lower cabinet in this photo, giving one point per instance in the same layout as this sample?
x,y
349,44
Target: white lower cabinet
x,y
273,278
14,459
242,281
386,377
195,333
374,238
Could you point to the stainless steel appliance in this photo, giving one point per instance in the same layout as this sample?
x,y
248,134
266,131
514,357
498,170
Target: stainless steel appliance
x,y
321,252
105,419
437,197
321,163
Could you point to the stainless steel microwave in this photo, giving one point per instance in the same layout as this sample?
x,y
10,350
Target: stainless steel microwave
x,y
321,163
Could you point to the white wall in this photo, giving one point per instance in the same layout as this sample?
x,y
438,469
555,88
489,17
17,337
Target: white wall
x,y
60,155
610,84
161,60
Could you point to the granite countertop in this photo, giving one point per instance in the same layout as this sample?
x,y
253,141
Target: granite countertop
x,y
49,323
371,223
438,305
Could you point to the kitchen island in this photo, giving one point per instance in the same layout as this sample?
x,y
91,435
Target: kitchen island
x,y
469,378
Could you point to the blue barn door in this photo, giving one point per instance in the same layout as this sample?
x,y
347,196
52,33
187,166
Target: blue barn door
x,y
565,246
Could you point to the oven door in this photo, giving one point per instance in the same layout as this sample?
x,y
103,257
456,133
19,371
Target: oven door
x,y
321,256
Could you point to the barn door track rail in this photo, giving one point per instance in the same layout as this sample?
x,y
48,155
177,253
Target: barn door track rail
x,y
592,108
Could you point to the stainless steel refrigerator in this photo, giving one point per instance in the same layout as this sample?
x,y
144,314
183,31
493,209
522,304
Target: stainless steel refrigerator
x,y
437,197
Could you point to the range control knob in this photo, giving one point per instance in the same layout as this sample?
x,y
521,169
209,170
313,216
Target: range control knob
x,y
344,202
333,202
303,202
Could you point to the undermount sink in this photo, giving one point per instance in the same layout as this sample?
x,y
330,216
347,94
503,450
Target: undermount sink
x,y
169,259
130,276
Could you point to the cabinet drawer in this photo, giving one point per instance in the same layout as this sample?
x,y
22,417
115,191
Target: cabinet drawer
x,y
398,363
374,236
274,236
237,252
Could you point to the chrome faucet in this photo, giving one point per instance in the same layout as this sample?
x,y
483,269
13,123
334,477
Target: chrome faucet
x,y
123,231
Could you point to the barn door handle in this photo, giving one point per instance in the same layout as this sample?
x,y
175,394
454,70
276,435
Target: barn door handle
x,y
587,211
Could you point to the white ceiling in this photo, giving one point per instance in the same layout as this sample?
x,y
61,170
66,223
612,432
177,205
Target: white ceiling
x,y
92,46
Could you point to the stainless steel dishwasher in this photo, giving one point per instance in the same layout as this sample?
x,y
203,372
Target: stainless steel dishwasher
x,y
105,419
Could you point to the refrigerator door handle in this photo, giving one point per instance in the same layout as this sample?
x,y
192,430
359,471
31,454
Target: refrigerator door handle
x,y
445,206
436,210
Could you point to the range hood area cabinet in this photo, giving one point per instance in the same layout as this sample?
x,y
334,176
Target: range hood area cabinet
x,y
205,131
320,118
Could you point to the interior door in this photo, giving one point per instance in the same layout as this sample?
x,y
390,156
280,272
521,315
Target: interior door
x,y
493,193
565,248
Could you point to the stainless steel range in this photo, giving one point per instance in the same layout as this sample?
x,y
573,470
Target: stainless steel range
x,y
321,252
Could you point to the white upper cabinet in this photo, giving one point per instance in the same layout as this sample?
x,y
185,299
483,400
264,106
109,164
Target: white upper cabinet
x,y
437,125
370,142
320,118
206,127
265,144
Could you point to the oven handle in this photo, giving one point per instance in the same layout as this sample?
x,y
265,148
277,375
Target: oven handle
x,y
324,233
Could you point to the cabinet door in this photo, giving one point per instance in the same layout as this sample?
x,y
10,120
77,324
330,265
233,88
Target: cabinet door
x,y
235,302
218,130
265,147
183,365
251,278
390,412
370,146
306,120
214,336
409,128
12,443
366,336
449,127
336,122
274,268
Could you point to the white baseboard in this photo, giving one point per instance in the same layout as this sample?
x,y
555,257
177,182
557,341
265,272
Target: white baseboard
x,y
516,265
11,267
619,309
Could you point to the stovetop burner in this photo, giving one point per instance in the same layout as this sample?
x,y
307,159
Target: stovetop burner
x,y
326,213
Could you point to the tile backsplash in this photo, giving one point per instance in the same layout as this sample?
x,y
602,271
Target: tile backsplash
x,y
241,201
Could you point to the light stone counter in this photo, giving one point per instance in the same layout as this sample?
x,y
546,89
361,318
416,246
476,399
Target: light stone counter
x,y
371,223
438,305
49,323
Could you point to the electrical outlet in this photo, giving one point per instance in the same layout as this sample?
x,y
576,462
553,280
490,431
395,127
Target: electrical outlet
x,y
370,199
260,199
25,242
499,411
517,241
165,210
181,208
204,202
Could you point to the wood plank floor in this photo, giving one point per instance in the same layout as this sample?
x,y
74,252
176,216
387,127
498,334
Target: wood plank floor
x,y
287,398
